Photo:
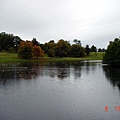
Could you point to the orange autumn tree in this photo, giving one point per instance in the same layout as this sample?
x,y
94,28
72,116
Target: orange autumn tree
x,y
37,51
27,50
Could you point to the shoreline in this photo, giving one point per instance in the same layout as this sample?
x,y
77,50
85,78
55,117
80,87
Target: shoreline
x,y
47,59
12,57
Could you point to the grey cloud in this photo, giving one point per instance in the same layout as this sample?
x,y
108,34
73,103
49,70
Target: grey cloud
x,y
54,19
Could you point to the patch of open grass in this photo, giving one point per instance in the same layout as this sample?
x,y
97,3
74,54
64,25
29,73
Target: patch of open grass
x,y
95,56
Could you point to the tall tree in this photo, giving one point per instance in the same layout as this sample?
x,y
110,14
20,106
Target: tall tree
x,y
37,51
101,50
51,44
51,53
25,50
87,50
8,41
77,41
62,48
93,49
16,42
35,42
77,50
44,47
112,55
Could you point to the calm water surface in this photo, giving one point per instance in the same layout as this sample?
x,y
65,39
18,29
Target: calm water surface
x,y
59,91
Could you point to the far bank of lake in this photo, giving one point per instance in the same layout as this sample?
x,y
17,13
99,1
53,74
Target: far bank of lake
x,y
13,57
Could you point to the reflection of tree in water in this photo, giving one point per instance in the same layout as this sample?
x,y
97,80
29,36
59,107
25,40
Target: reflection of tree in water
x,y
87,64
6,77
113,75
32,70
90,66
63,72
26,71
77,69
60,69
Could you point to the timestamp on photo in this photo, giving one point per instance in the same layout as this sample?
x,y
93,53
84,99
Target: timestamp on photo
x,y
116,108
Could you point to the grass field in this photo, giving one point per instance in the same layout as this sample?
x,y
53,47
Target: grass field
x,y
13,57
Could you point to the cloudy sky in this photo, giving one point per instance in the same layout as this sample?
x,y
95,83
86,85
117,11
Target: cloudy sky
x,y
91,21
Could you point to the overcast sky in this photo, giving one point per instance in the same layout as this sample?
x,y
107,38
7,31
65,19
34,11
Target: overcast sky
x,y
91,21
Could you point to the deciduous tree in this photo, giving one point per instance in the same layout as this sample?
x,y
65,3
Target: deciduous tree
x,y
37,51
9,40
62,48
77,51
77,41
93,49
25,50
51,53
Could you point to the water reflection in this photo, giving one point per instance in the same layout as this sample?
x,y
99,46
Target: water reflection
x,y
58,90
77,66
27,71
113,75
90,66
18,71
30,70
60,70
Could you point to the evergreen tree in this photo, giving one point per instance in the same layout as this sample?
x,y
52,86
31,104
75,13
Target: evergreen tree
x,y
112,55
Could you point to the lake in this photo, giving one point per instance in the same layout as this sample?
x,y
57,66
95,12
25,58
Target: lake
x,y
82,90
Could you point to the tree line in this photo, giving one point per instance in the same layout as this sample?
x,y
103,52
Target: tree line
x,y
28,49
9,42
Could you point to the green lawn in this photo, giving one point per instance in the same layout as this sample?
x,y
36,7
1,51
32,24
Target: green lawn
x,y
13,57
97,56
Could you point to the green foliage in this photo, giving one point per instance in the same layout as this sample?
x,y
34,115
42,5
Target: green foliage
x,y
77,51
51,44
47,46
77,41
112,55
44,47
11,43
51,53
16,42
12,50
93,49
87,50
9,40
62,48
101,50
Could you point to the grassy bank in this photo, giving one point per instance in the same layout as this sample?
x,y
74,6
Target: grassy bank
x,y
13,57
